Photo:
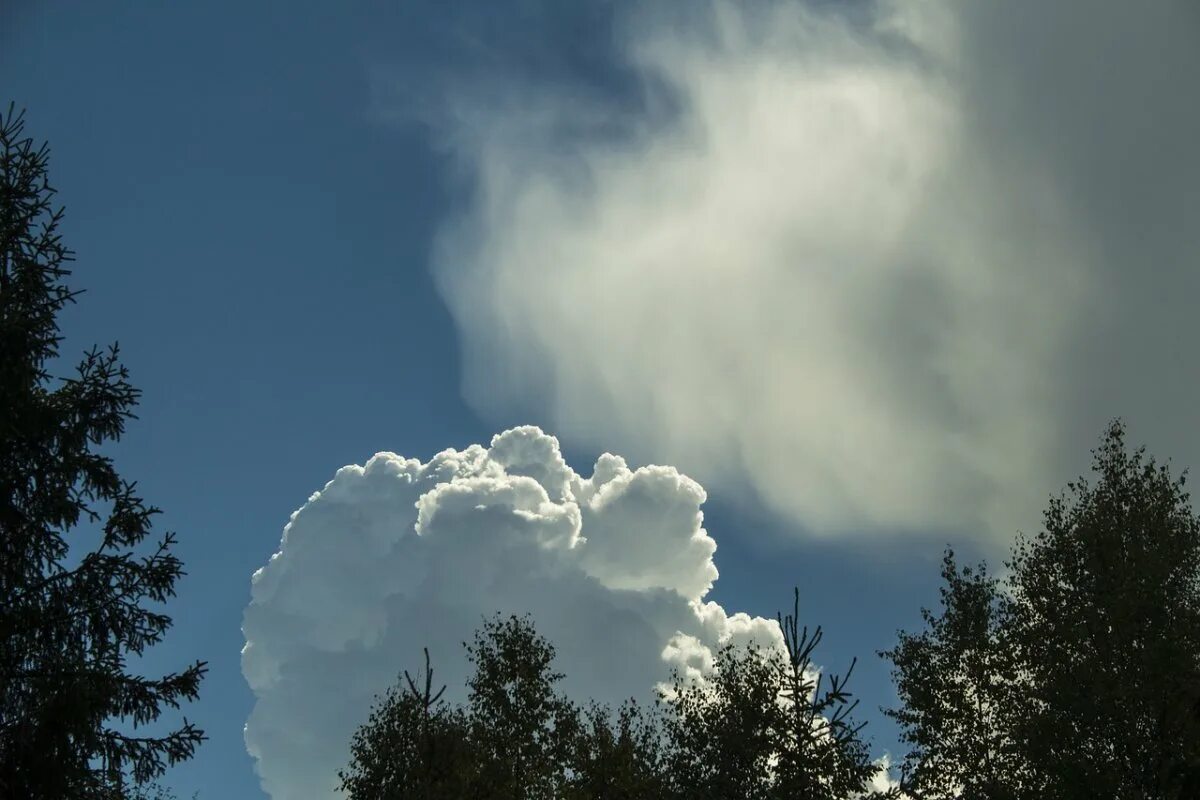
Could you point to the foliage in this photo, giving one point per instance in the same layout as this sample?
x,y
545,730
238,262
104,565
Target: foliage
x,y
821,754
1080,676
70,620
720,732
414,745
512,739
740,734
760,727
1107,619
621,762
959,710
522,728
153,791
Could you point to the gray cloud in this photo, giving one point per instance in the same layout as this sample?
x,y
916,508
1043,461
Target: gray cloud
x,y
890,272
1101,96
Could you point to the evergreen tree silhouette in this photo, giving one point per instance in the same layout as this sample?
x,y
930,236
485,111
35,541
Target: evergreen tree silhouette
x,y
71,617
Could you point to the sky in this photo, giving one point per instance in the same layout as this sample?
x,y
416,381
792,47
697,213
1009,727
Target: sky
x,y
628,296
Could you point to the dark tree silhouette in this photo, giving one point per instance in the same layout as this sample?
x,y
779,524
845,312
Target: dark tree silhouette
x,y
514,739
821,754
1107,618
414,745
1079,678
617,762
962,710
762,728
153,791
522,727
70,616
720,733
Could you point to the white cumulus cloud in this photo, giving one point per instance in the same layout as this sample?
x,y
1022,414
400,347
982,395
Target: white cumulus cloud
x,y
398,554
891,265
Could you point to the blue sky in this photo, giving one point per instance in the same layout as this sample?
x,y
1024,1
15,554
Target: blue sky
x,y
261,196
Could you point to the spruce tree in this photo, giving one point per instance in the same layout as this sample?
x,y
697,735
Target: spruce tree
x,y
81,587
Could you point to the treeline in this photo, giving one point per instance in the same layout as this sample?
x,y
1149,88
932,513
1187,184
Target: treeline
x,y
765,726
1077,675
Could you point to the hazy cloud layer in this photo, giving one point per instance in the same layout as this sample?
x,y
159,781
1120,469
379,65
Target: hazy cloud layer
x,y
892,271
396,555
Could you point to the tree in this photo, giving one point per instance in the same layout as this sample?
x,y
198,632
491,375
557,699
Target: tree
x,y
414,745
1107,619
514,739
153,791
522,727
70,617
1087,658
617,762
739,735
821,754
720,731
959,705
760,727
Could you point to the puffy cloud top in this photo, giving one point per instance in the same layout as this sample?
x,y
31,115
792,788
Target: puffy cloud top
x,y
397,554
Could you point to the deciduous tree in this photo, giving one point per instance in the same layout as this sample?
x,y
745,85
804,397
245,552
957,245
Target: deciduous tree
x,y
1079,675
514,739
761,726
414,745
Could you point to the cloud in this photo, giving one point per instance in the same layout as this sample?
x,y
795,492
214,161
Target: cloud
x,y
398,554
889,269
